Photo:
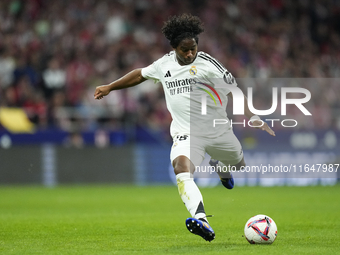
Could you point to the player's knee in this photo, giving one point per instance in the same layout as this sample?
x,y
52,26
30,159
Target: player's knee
x,y
181,165
181,168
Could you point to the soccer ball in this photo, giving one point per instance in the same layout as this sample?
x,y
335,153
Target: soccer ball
x,y
260,229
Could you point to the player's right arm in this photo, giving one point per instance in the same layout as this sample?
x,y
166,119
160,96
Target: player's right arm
x,y
131,79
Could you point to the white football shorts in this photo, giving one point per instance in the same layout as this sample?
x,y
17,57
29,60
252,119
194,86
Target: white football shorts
x,y
225,148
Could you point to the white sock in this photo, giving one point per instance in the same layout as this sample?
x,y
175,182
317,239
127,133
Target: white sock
x,y
191,195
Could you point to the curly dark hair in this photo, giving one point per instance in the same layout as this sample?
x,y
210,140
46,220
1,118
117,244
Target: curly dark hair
x,y
178,28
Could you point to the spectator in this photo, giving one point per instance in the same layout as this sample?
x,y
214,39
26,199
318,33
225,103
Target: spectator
x,y
61,49
54,77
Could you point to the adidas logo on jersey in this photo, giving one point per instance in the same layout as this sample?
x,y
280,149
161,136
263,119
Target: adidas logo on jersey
x,y
167,74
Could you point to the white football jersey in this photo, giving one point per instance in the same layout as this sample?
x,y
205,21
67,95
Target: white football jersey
x,y
186,87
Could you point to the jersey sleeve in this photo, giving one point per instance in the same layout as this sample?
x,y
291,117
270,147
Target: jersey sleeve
x,y
218,71
229,79
151,72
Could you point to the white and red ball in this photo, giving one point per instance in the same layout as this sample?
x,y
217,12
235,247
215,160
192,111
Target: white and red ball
x,y
260,229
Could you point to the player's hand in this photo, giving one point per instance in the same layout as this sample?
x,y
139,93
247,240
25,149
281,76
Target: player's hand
x,y
101,91
264,127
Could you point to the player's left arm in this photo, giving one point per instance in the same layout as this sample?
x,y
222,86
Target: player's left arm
x,y
256,120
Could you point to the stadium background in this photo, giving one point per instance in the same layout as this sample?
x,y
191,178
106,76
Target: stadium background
x,y
54,54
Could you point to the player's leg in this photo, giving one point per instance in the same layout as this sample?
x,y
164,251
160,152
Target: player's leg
x,y
226,176
187,188
192,198
227,156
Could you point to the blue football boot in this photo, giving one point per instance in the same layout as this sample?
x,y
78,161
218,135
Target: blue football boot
x,y
226,182
200,227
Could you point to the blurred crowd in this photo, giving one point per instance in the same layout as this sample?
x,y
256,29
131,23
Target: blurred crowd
x,y
54,53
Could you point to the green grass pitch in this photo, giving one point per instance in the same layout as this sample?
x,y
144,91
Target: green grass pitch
x,y
150,220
